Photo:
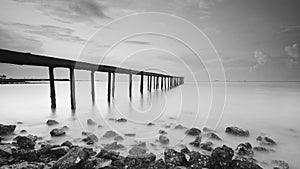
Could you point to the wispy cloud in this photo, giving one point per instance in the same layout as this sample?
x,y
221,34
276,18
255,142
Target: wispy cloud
x,y
261,59
293,53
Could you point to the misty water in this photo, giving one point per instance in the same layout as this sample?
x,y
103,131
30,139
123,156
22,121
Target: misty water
x,y
267,109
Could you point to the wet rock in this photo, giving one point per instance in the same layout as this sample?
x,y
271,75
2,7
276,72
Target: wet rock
x,y
110,155
150,124
24,165
213,136
193,132
113,146
163,139
174,158
262,149
26,155
72,159
91,122
118,138
206,146
159,164
51,122
179,126
110,134
139,161
141,144
26,142
237,131
5,150
244,164
67,143
59,151
265,141
221,157
185,150
121,120
7,129
280,164
57,132
90,139
196,142
137,150
130,134
162,132
23,131
198,160
244,149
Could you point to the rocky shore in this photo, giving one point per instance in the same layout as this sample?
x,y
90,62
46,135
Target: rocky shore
x,y
29,152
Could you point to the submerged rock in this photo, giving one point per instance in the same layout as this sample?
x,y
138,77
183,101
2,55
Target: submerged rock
x,y
206,129
57,132
150,124
121,120
110,134
179,126
91,122
162,132
118,138
193,132
163,139
196,142
244,149
7,129
51,122
90,139
237,131
212,136
262,149
137,150
174,158
279,164
265,141
130,134
113,146
206,146
221,157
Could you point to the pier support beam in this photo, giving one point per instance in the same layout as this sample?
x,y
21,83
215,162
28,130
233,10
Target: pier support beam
x,y
108,86
142,83
113,85
150,83
93,86
72,87
130,85
161,83
52,88
157,84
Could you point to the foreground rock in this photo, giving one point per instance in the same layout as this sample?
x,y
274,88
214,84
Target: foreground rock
x,y
244,164
237,131
244,149
26,142
198,160
113,146
24,165
193,132
7,129
221,157
174,158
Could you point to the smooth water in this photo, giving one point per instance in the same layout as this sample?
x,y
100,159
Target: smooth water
x,y
270,109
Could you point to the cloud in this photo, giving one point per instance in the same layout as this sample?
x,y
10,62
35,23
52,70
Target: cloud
x,y
137,42
261,59
293,53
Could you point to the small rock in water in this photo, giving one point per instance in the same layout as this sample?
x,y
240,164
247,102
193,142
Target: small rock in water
x,y
137,150
193,132
65,128
206,146
262,149
7,129
213,136
85,133
67,143
113,146
99,126
244,149
179,126
265,141
51,122
26,142
150,124
237,131
110,134
162,132
197,141
91,122
206,129
221,157
57,132
174,158
90,139
121,120
130,134
23,131
163,139
118,138
19,122
280,164
185,150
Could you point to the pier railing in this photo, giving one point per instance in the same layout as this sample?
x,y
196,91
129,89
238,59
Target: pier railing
x,y
20,58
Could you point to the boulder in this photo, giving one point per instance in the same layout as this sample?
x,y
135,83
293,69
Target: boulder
x,y
26,142
163,139
118,138
244,149
262,149
90,139
24,165
113,146
280,164
110,134
57,132
59,151
206,146
174,158
221,157
67,143
185,150
193,132
110,155
5,150
237,131
265,141
244,164
196,142
7,129
198,160
139,161
137,150
51,122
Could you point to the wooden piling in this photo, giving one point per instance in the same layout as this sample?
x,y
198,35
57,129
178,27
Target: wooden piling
x,y
52,88
150,83
142,83
130,85
93,86
72,87
113,85
108,86
161,83
157,83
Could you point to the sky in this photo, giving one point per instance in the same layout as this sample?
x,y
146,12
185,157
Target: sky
x,y
255,40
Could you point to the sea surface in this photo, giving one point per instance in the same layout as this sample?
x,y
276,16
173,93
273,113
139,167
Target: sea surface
x,y
264,108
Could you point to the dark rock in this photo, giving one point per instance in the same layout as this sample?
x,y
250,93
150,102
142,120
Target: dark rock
x,y
137,150
262,149
7,129
118,138
150,124
281,164
59,151
174,158
99,126
86,133
67,143
113,146
237,131
110,155
91,122
90,139
51,122
244,149
179,126
221,157
265,141
185,150
110,134
167,126
72,159
139,161
197,141
23,131
162,132
198,160
206,146
163,139
57,132
213,136
141,144
121,120
206,129
26,142
244,164
159,164
130,134
26,155
24,165
19,122
193,132
65,128
5,150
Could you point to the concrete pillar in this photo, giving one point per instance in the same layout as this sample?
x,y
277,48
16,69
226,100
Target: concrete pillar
x,y
93,86
72,87
52,88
